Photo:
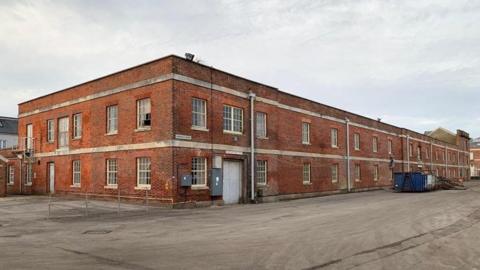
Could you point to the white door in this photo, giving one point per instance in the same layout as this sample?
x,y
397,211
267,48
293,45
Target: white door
x,y
51,176
232,181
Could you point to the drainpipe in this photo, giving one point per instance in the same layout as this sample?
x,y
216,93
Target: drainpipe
x,y
446,161
251,95
408,153
431,157
347,122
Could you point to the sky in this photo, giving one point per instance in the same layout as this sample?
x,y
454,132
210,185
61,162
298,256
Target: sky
x,y
414,64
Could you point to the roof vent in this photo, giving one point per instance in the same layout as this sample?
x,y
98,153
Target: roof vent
x,y
189,56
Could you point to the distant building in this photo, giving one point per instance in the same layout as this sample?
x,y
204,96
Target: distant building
x,y
8,132
475,157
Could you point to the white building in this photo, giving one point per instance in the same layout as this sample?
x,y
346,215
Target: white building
x,y
8,132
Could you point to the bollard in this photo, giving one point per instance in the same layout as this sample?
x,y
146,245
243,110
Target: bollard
x,y
86,204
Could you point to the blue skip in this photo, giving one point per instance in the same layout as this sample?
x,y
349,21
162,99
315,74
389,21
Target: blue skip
x,y
414,182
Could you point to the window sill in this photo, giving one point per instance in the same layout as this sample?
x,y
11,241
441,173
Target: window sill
x,y
76,139
63,148
143,187
200,187
75,186
232,132
143,129
335,182
10,184
357,180
307,183
356,149
111,187
200,128
111,133
306,143
28,184
335,146
262,138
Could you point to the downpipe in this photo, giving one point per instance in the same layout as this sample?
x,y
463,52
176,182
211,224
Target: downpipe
x,y
349,185
252,96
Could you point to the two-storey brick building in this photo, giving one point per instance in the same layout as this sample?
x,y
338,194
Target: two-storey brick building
x,y
145,127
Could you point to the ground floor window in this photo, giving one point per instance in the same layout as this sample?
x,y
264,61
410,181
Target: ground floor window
x,y
111,172
28,174
76,172
306,173
143,171
11,175
357,172
199,171
375,173
334,170
261,172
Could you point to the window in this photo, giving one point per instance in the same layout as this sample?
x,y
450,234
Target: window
x,y
232,119
261,125
199,171
11,175
261,172
143,171
199,113
357,172
436,154
375,173
3,144
306,173
410,150
29,142
375,144
28,175
334,137
76,173
427,155
356,141
305,133
143,113
77,126
50,131
334,170
112,172
112,119
63,132
419,152
390,147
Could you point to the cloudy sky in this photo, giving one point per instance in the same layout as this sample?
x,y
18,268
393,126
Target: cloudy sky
x,y
415,64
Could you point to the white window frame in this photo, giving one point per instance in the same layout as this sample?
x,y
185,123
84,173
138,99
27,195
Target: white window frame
x,y
199,171
375,144
357,172
261,125
77,126
199,113
376,171
29,142
305,133
390,145
419,152
410,148
356,141
11,174
29,174
261,173
63,129
144,108
334,137
3,144
334,173
50,130
144,172
112,172
307,173
112,119
231,123
76,173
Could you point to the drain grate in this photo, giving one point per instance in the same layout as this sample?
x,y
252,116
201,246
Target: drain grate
x,y
97,232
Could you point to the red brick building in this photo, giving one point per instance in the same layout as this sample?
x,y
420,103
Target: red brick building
x,y
147,126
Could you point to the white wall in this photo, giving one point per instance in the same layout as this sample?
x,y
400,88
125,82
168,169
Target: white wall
x,y
12,140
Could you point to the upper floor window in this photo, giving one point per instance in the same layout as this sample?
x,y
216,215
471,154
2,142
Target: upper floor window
x,y
356,141
427,155
390,147
334,137
143,171
306,173
50,130
63,132
112,119
143,113
261,172
199,171
77,126
410,150
199,113
11,175
305,133
232,119
375,144
76,173
261,125
419,152
29,139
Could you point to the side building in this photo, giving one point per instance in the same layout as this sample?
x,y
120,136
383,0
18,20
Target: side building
x,y
139,131
475,158
8,132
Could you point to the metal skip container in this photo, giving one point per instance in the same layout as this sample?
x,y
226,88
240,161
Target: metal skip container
x,y
414,182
